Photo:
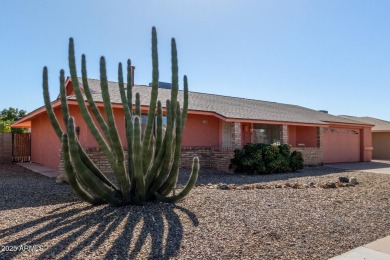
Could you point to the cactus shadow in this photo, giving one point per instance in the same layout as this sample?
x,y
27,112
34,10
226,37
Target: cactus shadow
x,y
151,231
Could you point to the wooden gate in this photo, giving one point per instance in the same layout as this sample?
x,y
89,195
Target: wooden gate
x,y
21,147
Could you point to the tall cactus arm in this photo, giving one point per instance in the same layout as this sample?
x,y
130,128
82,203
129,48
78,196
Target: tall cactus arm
x,y
56,126
72,179
159,129
190,184
84,111
64,105
146,147
129,91
46,97
83,155
129,123
138,173
128,120
185,101
155,72
91,102
119,167
93,183
170,183
116,142
153,171
167,161
137,105
175,77
111,155
147,160
122,92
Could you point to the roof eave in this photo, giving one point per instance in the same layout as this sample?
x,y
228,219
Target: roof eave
x,y
25,122
349,124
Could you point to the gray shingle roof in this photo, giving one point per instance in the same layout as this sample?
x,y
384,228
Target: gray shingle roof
x,y
228,107
379,124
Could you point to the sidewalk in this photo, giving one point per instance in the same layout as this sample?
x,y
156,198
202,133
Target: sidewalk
x,y
377,250
40,169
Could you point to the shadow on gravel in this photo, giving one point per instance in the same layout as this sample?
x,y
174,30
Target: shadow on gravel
x,y
21,188
207,176
105,232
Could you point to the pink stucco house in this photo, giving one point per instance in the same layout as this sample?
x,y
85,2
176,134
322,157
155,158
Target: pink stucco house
x,y
215,126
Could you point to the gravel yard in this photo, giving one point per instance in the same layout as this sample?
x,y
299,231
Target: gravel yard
x,y
41,219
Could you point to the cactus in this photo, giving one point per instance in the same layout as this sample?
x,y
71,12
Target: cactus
x,y
153,157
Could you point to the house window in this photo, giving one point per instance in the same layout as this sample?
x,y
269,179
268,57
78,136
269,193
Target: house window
x,y
266,134
227,140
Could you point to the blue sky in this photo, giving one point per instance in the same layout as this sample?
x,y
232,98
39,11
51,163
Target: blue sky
x,y
324,54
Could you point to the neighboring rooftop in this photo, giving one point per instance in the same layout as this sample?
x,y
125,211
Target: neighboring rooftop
x,y
379,124
228,107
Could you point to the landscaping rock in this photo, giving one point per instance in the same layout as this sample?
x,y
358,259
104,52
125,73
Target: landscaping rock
x,y
232,186
223,186
328,185
341,184
344,179
260,186
325,185
61,179
353,180
297,186
246,187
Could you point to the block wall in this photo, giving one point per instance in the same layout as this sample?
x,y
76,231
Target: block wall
x,y
209,157
312,156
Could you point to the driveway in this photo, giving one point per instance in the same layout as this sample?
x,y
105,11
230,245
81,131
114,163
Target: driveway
x,y
375,166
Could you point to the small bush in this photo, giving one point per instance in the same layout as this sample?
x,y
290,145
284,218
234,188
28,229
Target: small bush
x,y
265,158
296,161
248,159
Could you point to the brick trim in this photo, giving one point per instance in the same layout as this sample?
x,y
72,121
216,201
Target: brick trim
x,y
236,134
312,156
209,157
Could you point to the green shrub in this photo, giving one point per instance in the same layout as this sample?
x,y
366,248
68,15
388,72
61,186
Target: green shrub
x,y
248,160
296,161
265,158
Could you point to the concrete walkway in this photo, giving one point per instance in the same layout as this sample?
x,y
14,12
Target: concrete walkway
x,y
40,169
378,250
375,166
